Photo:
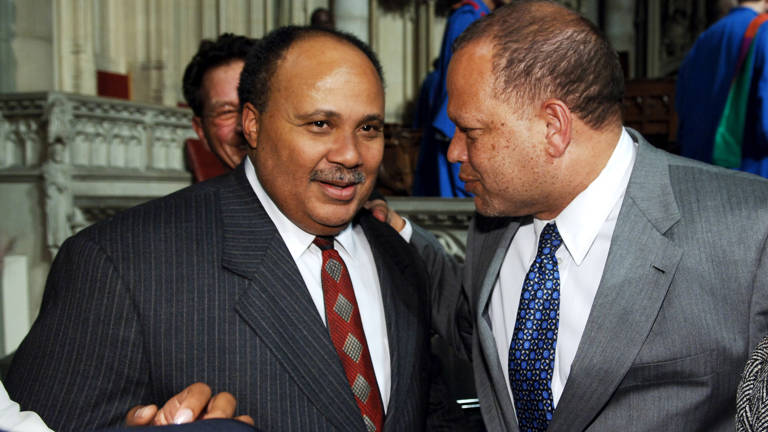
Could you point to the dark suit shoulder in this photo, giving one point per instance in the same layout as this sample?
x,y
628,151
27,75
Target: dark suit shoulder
x,y
172,226
180,207
383,237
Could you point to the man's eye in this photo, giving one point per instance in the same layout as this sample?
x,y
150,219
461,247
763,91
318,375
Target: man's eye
x,y
320,124
371,128
224,115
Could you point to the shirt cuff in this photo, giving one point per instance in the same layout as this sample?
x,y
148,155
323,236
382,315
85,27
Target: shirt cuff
x,y
407,232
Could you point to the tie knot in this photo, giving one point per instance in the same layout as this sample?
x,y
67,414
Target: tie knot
x,y
549,240
324,242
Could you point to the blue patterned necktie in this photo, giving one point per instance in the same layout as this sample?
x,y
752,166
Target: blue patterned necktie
x,y
532,350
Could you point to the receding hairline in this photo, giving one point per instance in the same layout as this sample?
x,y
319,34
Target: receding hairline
x,y
526,30
314,34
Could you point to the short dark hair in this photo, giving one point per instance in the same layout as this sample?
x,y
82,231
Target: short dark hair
x,y
212,53
543,50
322,17
262,61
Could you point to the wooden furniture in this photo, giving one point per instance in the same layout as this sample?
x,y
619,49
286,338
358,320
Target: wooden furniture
x,y
649,107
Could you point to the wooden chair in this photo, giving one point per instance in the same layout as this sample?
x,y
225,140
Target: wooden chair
x,y
649,107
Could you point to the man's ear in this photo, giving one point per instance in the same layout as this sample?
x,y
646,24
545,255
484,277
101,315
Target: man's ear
x,y
250,123
559,122
197,125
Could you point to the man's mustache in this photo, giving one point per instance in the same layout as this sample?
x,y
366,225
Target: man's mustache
x,y
338,176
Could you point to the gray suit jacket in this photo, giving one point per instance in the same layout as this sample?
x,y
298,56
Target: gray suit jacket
x,y
681,303
199,286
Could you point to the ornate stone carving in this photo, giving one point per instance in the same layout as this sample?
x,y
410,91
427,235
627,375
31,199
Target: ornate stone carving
x,y
448,219
59,118
59,202
79,148
29,142
681,22
668,31
6,150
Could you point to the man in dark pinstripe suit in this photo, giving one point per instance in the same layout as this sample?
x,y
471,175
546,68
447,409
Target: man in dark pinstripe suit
x,y
219,282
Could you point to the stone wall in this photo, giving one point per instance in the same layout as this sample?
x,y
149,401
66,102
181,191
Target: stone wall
x,y
68,160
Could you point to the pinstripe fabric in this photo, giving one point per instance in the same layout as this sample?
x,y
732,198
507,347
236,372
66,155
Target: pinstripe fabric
x,y
198,286
682,302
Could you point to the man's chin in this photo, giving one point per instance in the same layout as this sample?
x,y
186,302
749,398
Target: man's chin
x,y
333,220
486,208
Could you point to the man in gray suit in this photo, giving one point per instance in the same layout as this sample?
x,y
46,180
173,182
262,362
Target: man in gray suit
x,y
608,285
227,282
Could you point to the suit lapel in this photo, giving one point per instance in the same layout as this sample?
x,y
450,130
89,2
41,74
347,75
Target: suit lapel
x,y
277,305
639,269
494,238
397,293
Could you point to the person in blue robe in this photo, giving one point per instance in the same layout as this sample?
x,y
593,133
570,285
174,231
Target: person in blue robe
x,y
703,83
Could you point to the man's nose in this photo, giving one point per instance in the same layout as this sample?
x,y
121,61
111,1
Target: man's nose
x,y
457,149
345,150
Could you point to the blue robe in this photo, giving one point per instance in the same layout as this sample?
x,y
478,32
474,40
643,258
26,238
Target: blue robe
x,y
703,83
435,176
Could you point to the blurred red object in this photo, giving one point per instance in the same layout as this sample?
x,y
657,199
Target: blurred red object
x,y
203,163
111,84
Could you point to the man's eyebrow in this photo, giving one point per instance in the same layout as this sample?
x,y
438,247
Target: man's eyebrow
x,y
372,118
318,113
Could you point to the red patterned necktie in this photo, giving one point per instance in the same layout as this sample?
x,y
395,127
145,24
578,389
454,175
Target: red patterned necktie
x,y
346,329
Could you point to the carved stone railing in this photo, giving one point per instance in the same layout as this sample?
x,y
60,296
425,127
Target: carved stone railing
x,y
447,218
90,155
67,161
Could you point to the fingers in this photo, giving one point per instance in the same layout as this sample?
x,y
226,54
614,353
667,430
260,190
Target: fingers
x,y
395,220
140,415
185,407
246,419
381,211
221,406
190,404
378,208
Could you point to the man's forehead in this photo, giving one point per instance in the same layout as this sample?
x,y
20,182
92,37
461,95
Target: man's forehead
x,y
220,82
316,53
325,64
470,66
233,66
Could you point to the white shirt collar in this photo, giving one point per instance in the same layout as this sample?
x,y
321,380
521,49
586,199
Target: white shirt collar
x,y
580,222
296,239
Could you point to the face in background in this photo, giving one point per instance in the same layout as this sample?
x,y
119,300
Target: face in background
x,y
500,144
219,126
319,142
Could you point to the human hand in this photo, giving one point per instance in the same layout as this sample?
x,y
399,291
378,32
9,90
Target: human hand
x,y
381,211
193,403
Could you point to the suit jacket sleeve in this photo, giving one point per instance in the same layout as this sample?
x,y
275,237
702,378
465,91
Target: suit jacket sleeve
x,y
450,306
88,373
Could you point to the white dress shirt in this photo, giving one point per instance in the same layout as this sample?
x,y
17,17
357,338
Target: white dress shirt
x,y
354,249
586,227
13,419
